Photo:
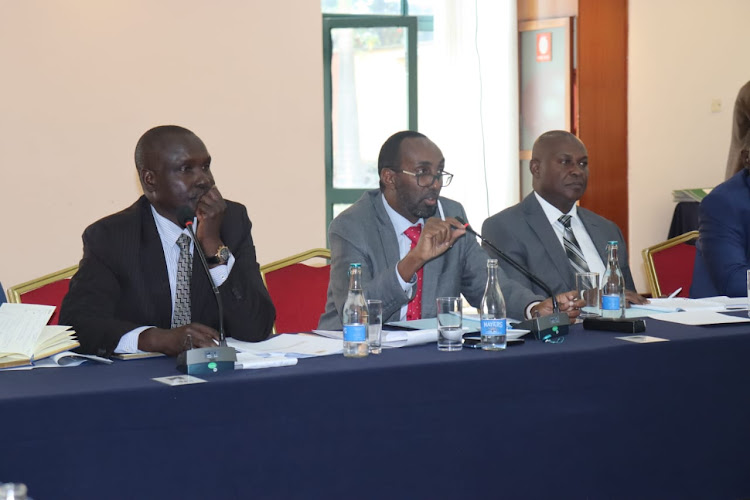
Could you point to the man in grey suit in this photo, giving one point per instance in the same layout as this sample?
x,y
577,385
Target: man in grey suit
x,y
372,232
532,231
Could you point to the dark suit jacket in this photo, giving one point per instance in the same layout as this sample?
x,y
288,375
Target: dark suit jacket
x,y
122,282
723,248
525,234
364,233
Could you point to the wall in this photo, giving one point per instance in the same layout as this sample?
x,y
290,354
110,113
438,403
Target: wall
x,y
680,58
83,79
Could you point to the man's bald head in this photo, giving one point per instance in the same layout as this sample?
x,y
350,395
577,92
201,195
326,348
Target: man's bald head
x,y
156,140
559,167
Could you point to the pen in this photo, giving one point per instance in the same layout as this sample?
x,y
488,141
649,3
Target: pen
x,y
674,294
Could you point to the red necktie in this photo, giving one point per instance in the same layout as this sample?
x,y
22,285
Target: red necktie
x,y
414,311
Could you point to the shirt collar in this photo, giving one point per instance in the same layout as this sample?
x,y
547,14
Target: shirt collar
x,y
400,223
553,213
168,230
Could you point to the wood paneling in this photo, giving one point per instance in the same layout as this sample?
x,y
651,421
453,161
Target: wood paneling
x,y
603,110
543,9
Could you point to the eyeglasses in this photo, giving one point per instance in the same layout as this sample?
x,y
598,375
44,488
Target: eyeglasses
x,y
427,179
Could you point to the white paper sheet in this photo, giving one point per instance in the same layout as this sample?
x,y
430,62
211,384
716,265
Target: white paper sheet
x,y
290,346
21,325
392,338
699,318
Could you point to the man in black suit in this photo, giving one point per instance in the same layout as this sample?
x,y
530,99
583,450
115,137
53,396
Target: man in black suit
x,y
123,297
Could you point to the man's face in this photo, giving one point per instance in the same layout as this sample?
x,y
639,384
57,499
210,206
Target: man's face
x,y
177,173
560,172
418,155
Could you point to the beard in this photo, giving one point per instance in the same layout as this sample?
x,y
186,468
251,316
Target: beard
x,y
419,208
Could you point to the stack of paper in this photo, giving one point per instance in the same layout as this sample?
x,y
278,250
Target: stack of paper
x,y
26,337
391,338
696,194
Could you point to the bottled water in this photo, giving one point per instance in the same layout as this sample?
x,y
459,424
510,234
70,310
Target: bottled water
x,y
355,316
492,312
613,285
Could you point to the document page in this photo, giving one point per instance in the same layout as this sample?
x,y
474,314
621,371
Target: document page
x,y
290,345
699,318
21,325
680,304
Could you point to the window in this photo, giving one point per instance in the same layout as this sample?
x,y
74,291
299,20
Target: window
x,y
370,72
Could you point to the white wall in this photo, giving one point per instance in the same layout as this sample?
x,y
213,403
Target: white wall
x,y
83,79
681,56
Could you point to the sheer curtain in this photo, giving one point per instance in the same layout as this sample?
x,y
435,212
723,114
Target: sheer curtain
x,y
468,101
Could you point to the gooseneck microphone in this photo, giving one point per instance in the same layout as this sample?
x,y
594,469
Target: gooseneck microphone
x,y
543,327
207,359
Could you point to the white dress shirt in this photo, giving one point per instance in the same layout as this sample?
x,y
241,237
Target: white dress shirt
x,y
169,232
401,224
593,259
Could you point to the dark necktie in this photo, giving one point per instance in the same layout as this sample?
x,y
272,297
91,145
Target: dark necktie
x,y
572,248
181,313
414,311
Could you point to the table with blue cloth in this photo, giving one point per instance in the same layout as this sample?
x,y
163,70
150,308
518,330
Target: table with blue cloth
x,y
591,417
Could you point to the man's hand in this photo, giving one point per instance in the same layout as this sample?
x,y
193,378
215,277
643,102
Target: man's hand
x,y
631,297
437,237
173,342
210,212
568,301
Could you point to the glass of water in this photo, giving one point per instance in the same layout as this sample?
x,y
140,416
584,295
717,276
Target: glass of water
x,y
374,325
450,334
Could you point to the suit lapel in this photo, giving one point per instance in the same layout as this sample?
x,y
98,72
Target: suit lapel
x,y
539,224
386,232
595,233
159,300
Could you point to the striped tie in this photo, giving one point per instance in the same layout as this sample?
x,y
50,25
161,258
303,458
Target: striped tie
x,y
181,313
575,255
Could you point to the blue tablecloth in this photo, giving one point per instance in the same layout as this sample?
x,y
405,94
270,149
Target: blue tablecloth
x,y
592,417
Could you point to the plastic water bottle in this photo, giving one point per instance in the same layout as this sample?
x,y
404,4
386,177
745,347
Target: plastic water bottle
x,y
492,312
355,316
613,285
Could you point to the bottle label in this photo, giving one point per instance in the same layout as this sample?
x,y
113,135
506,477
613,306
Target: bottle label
x,y
493,326
355,333
610,302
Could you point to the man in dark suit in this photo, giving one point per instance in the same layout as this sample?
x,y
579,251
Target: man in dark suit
x,y
723,248
441,261
532,231
138,287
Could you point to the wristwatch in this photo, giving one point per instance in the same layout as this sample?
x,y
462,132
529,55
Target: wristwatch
x,y
221,257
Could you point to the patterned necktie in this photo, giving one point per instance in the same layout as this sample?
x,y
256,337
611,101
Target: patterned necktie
x,y
181,313
414,311
572,248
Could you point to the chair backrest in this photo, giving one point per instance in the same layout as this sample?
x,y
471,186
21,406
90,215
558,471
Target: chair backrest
x,y
669,265
298,291
48,290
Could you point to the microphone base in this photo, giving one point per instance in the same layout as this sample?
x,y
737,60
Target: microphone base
x,y
207,360
546,327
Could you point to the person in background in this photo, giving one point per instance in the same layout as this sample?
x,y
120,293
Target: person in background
x,y
534,232
723,247
740,130
138,287
411,246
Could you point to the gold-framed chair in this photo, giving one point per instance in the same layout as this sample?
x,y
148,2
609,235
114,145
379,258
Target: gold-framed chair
x,y
49,290
298,290
669,265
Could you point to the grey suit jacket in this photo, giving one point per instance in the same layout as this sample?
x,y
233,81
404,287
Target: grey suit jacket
x,y
525,234
364,233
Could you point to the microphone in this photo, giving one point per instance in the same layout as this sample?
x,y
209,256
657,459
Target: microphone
x,y
206,359
543,327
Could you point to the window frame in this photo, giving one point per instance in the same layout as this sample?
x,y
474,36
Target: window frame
x,y
335,21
